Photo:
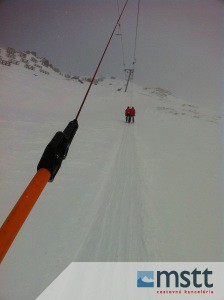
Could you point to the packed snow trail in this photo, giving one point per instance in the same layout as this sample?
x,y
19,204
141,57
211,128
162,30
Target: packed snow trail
x,y
116,233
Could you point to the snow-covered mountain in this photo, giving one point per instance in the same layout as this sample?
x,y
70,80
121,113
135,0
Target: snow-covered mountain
x,y
149,191
146,279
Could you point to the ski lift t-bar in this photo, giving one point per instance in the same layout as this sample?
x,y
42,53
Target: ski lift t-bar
x,y
50,162
57,149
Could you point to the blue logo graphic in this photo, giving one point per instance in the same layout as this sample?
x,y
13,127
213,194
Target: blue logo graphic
x,y
145,279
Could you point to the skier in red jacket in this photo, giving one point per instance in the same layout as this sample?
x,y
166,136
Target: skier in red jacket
x,y
132,113
128,114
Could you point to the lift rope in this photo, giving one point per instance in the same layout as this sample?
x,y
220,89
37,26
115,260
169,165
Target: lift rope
x,y
136,35
134,55
93,78
50,163
121,37
130,72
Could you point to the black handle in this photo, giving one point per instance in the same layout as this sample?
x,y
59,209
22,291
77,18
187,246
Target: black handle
x,y
57,150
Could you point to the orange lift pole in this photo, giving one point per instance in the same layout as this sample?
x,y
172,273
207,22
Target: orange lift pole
x,y
21,210
48,166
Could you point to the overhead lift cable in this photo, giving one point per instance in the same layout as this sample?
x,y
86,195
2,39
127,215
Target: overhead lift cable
x,y
121,37
136,34
51,160
130,72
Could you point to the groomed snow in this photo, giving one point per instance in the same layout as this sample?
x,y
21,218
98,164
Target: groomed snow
x,y
149,191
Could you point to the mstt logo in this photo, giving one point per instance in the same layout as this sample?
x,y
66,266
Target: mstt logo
x,y
145,279
167,279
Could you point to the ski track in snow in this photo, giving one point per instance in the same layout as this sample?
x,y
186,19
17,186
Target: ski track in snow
x,y
116,231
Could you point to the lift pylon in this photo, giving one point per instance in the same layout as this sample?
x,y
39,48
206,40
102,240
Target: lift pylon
x,y
130,73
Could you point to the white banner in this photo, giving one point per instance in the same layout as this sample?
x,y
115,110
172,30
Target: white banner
x,y
138,280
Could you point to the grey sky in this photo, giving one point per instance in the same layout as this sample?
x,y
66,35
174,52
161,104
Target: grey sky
x,y
180,43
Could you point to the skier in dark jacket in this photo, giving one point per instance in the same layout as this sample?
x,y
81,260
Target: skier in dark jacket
x,y
132,113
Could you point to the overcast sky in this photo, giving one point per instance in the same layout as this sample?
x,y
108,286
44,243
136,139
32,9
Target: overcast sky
x,y
180,42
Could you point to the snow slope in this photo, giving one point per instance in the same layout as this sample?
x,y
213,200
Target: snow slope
x,y
149,191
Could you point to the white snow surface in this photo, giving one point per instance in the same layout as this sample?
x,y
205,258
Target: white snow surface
x,y
149,191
